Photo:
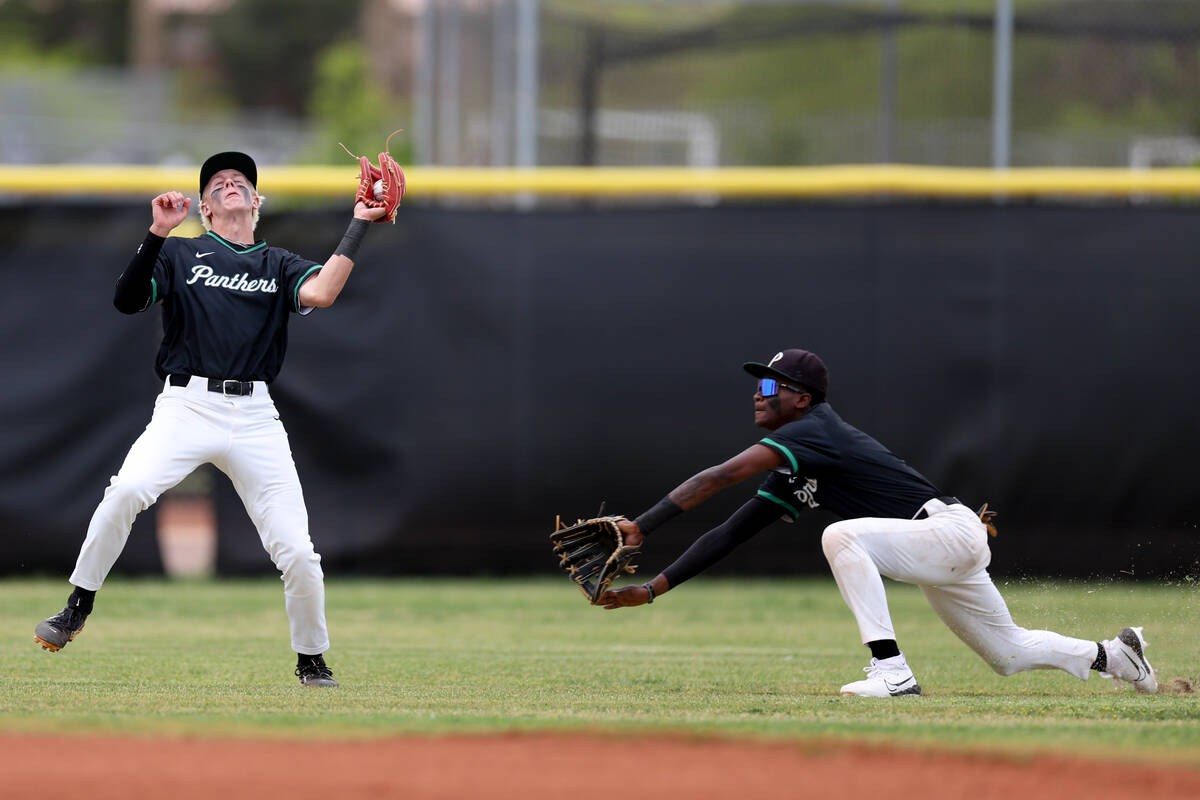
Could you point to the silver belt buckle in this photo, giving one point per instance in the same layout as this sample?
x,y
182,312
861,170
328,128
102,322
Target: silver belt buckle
x,y
237,385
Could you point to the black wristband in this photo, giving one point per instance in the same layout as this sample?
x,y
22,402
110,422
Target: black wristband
x,y
649,587
663,511
348,247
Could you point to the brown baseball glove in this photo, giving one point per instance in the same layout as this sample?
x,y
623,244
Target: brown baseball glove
x,y
593,552
988,518
380,186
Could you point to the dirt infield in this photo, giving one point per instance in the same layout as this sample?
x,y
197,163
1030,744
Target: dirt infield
x,y
542,766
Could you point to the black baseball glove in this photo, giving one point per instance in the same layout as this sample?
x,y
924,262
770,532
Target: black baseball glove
x,y
593,552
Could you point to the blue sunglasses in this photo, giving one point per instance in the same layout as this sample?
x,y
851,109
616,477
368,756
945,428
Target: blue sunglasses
x,y
769,387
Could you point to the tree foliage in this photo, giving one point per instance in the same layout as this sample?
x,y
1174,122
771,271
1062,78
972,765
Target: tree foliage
x,y
83,31
269,48
352,107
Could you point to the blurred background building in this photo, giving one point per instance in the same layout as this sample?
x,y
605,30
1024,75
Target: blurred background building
x,y
568,82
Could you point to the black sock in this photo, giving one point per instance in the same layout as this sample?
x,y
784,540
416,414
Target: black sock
x,y
82,600
1101,662
884,648
303,661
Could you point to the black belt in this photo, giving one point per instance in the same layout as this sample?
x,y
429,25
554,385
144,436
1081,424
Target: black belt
x,y
226,387
947,499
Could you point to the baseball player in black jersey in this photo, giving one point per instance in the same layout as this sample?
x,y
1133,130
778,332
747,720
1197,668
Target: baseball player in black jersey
x,y
894,523
226,301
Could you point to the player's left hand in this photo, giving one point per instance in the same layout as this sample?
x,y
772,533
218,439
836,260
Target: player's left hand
x,y
632,533
593,552
363,211
380,185
625,596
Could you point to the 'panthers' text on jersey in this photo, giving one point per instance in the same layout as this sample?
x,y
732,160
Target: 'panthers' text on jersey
x,y
225,306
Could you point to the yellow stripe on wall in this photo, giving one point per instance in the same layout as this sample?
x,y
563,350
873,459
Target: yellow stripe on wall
x,y
755,182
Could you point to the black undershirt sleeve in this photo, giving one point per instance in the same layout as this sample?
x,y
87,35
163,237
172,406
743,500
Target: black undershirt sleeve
x,y
133,287
721,540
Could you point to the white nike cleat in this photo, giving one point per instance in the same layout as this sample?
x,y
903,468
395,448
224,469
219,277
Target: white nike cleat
x,y
888,677
1126,656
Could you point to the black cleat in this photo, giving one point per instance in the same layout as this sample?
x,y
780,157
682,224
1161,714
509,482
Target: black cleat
x,y
54,633
315,673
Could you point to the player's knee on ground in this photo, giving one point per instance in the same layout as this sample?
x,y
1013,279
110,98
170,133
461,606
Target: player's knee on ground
x,y
1003,662
1020,650
1004,657
1005,666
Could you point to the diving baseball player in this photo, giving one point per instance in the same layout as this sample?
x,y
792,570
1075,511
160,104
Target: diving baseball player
x,y
894,523
226,301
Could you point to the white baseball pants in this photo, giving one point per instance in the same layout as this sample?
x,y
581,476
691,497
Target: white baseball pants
x,y
946,554
242,437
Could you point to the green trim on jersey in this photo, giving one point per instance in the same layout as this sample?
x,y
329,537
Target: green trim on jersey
x,y
299,283
153,293
258,246
790,508
784,450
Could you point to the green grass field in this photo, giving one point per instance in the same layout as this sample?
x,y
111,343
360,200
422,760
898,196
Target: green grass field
x,y
716,657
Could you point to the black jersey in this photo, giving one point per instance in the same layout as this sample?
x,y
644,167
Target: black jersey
x,y
833,465
226,306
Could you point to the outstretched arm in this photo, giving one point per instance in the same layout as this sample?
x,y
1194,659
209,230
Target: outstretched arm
x,y
323,288
695,490
710,548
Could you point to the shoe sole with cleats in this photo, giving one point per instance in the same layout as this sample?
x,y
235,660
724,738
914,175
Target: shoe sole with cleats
x,y
54,647
320,683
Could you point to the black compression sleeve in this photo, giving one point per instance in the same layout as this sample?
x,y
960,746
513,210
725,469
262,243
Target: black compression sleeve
x,y
353,237
721,540
133,287
663,511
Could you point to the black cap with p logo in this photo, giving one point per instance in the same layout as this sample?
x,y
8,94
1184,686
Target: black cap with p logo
x,y
795,366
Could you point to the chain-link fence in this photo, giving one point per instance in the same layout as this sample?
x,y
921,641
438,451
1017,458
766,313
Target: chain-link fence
x,y
903,81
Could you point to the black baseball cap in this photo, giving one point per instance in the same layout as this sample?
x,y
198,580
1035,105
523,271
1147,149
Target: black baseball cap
x,y
795,366
229,160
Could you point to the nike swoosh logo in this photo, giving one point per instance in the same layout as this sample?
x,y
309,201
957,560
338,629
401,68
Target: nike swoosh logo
x,y
895,687
1141,671
202,255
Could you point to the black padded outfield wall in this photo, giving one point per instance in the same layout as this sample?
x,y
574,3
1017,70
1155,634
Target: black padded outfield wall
x,y
485,371
76,390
